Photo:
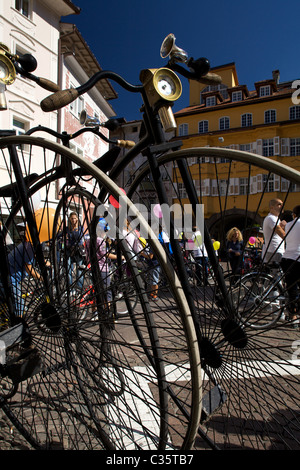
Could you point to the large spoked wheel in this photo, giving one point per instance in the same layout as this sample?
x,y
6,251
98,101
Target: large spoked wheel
x,y
92,380
249,359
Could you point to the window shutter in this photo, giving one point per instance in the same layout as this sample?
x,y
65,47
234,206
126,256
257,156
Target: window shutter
x,y
236,186
214,188
285,146
259,146
259,183
253,147
276,183
253,185
276,146
284,185
205,187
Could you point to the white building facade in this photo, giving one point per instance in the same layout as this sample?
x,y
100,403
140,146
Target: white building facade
x,y
36,27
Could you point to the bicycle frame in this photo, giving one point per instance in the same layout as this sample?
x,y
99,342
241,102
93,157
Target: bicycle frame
x,y
156,121
151,145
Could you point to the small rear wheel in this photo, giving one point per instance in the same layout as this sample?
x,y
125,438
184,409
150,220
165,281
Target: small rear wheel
x,y
260,302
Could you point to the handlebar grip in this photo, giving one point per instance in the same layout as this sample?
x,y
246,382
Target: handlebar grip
x,y
126,143
47,84
59,99
210,79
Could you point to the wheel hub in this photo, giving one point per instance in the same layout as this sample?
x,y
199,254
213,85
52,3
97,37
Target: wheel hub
x,y
234,333
209,354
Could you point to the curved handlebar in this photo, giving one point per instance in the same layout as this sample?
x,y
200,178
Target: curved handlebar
x,y
62,98
198,71
42,82
65,138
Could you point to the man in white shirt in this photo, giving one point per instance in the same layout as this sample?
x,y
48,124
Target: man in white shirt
x,y
291,262
273,247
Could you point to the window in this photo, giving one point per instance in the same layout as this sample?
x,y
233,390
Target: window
x,y
246,120
202,127
77,106
243,186
295,112
265,90
268,147
286,185
210,101
237,96
224,123
294,147
183,129
19,126
270,116
23,7
181,190
221,88
223,187
21,51
271,183
295,188
76,148
246,147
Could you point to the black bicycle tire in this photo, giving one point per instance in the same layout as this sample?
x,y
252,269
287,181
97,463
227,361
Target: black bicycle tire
x,y
53,330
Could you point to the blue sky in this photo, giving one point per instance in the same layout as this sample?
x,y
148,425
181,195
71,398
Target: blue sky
x,y
258,35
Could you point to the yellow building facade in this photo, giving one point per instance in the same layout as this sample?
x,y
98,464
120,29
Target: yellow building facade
x,y
264,121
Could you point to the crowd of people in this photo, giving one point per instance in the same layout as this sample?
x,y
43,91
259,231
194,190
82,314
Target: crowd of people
x,y
281,246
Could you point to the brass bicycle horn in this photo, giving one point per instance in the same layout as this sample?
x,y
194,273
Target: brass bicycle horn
x,y
168,48
88,121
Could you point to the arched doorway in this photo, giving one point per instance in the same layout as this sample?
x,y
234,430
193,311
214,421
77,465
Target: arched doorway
x,y
219,224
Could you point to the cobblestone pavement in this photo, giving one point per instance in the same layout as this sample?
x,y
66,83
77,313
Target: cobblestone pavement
x,y
10,438
278,341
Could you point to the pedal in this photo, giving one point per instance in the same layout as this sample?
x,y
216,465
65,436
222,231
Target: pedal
x,y
212,401
24,365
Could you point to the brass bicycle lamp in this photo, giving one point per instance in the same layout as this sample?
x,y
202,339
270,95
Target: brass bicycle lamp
x,y
7,69
162,86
